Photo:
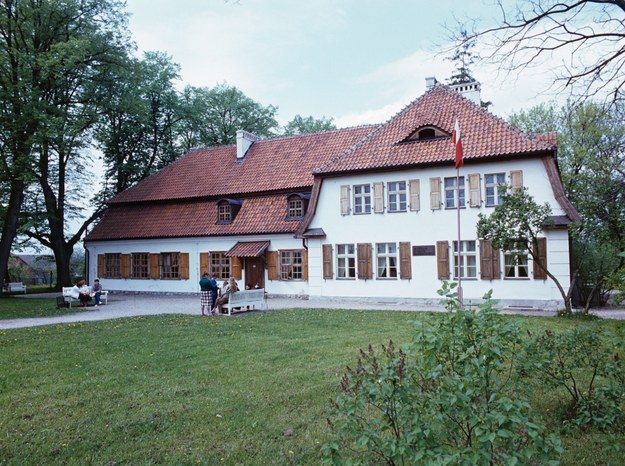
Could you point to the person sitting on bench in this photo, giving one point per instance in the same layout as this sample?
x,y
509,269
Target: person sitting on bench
x,y
81,292
226,290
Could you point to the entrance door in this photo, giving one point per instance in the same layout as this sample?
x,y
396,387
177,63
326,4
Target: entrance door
x,y
254,272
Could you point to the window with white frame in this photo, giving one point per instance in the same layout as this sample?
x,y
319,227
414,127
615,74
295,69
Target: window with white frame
x,y
291,265
397,196
345,261
386,256
362,199
452,193
493,182
224,212
468,259
295,207
515,261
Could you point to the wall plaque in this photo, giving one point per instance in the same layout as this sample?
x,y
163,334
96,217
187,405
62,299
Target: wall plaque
x,y
424,250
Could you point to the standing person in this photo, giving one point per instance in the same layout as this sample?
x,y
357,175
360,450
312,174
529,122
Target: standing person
x,y
205,294
96,290
214,289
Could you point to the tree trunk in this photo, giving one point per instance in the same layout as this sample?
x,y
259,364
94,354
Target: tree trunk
x,y
9,229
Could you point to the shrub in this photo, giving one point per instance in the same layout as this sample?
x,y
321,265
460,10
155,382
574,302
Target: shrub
x,y
448,398
588,367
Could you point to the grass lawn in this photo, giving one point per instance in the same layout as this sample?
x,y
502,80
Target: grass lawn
x,y
251,390
13,307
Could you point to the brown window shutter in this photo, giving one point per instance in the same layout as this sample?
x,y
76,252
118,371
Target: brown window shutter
x,y
378,198
540,254
516,180
326,250
155,270
184,265
405,261
272,264
125,265
235,267
100,265
442,260
489,261
345,200
204,262
475,198
415,195
435,193
305,263
364,261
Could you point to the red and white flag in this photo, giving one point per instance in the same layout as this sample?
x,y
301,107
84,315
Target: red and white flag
x,y
456,139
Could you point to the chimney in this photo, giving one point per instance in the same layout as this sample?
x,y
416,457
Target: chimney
x,y
469,91
244,142
430,82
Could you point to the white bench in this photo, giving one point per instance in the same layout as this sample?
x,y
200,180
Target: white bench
x,y
67,295
17,287
245,298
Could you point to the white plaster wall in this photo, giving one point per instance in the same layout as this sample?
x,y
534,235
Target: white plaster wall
x,y
425,227
193,246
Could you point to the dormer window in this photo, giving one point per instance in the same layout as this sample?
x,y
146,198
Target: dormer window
x,y
297,205
224,212
426,133
227,210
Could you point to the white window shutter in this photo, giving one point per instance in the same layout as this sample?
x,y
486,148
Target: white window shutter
x,y
435,193
345,204
475,198
415,195
378,198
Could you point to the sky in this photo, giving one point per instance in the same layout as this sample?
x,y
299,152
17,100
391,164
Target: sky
x,y
355,61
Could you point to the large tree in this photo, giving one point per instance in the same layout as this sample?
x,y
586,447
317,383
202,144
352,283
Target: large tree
x,y
212,116
52,54
583,42
591,157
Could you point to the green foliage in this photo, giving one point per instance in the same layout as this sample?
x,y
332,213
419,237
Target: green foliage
x,y
588,367
301,125
448,398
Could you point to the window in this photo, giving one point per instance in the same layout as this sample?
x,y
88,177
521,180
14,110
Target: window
x,y
169,264
291,265
112,265
451,192
224,212
296,207
220,265
362,199
468,259
345,261
139,263
397,197
493,184
515,262
387,260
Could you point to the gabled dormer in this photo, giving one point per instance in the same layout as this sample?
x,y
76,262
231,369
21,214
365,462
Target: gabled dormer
x,y
296,206
227,210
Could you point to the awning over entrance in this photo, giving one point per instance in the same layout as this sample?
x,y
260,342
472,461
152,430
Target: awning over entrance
x,y
248,249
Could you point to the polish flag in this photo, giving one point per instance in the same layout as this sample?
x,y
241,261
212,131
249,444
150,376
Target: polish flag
x,y
456,140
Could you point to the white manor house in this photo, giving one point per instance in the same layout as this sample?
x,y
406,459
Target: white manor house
x,y
364,212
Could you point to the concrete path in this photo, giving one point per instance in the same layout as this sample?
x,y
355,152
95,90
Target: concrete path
x,y
130,305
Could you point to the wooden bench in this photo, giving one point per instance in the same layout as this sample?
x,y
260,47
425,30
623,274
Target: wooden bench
x,y
245,298
16,287
67,296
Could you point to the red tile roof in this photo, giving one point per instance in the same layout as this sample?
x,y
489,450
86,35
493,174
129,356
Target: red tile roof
x,y
248,249
269,165
261,214
483,136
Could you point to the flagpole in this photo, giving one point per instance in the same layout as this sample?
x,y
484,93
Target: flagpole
x,y
458,247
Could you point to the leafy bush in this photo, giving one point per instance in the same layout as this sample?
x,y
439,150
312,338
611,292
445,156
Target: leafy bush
x,y
588,367
448,398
